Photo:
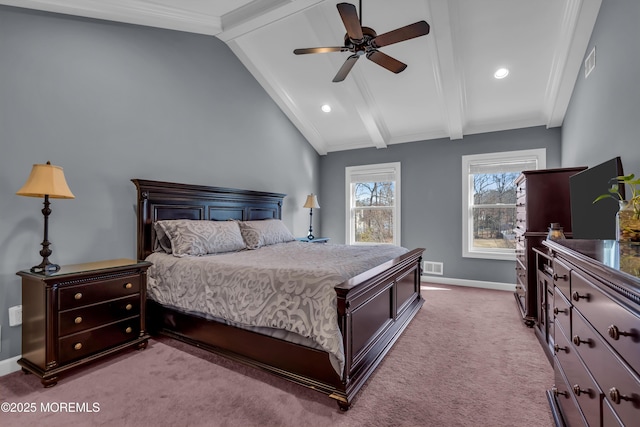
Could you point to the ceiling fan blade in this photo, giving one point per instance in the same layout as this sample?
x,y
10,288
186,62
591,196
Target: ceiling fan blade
x,y
320,50
408,32
346,67
350,20
386,61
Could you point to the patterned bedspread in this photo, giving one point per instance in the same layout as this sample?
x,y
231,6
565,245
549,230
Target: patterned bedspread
x,y
288,286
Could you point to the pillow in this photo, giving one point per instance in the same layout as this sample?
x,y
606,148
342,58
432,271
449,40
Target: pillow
x,y
162,242
198,237
265,232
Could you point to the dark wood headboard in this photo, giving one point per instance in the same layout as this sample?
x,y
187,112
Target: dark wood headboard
x,y
159,200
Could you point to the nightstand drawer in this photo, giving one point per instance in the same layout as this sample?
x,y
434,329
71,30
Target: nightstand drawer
x,y
95,340
98,291
72,321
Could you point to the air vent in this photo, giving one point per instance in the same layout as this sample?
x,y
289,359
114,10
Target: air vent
x,y
432,267
590,63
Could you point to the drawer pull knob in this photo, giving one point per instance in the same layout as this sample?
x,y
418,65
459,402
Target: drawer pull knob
x,y
557,311
78,295
128,330
578,391
77,346
128,307
616,397
577,341
557,348
577,297
128,286
77,320
556,277
557,392
615,333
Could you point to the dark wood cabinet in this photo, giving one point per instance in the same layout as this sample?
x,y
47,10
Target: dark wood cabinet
x,y
81,313
596,332
544,327
542,198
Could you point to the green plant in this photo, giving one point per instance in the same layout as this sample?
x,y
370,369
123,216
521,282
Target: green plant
x,y
614,193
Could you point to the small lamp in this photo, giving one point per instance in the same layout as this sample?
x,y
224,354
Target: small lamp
x,y
46,181
311,203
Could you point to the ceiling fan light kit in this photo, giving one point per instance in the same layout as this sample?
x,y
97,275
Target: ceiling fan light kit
x,y
361,41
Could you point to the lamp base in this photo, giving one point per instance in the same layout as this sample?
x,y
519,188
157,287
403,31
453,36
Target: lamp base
x,y
45,267
310,236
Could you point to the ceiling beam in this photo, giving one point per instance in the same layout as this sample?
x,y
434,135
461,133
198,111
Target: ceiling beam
x,y
577,24
258,14
129,11
446,65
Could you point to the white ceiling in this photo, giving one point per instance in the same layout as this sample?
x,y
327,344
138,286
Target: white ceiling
x,y
447,91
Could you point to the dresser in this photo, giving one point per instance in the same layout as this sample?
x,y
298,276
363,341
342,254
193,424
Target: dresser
x,y
596,285
81,313
542,197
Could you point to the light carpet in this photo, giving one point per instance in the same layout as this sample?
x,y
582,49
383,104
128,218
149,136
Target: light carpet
x,y
465,360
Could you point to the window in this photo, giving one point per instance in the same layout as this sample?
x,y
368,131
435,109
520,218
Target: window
x,y
373,204
489,201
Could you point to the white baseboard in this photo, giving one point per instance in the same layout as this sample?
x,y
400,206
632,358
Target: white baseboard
x,y
510,287
10,365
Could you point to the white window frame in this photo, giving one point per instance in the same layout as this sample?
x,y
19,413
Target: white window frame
x,y
380,168
539,155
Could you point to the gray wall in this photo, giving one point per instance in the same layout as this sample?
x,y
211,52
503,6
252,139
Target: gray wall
x,y
109,102
431,194
603,120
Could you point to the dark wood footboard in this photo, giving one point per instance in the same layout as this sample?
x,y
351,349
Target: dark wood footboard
x,y
373,307
373,310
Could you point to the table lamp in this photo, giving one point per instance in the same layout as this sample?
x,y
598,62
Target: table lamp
x,y
311,203
46,181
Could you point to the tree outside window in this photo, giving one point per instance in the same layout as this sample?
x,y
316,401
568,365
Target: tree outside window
x,y
373,211
489,201
373,204
494,210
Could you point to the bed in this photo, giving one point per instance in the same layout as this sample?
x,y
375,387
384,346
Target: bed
x,y
372,308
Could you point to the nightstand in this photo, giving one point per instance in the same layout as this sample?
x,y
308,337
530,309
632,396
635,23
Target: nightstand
x,y
81,313
315,240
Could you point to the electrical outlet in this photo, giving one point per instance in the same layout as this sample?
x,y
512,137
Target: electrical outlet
x,y
15,315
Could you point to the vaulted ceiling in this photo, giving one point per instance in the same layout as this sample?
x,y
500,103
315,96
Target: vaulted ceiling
x,y
448,89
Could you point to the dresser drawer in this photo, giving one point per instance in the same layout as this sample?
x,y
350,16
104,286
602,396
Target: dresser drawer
x,y
79,319
562,311
609,418
562,278
566,400
521,218
98,291
619,326
95,340
620,386
581,385
521,249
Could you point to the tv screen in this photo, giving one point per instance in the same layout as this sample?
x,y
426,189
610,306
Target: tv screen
x,y
595,220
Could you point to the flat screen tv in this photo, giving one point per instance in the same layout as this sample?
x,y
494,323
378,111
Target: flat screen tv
x,y
595,220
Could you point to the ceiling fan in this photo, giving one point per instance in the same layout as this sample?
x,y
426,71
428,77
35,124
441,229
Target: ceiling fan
x,y
361,40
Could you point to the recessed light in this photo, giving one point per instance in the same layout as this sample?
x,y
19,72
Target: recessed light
x,y
501,73
326,108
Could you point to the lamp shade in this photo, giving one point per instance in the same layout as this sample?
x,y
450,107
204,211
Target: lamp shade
x,y
312,202
46,180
